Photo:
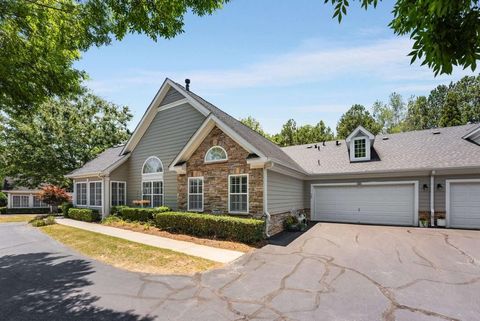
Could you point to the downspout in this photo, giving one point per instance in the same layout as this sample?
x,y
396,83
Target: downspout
x,y
265,202
432,199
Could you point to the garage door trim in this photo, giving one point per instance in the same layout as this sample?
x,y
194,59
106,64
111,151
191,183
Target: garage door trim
x,y
414,183
447,194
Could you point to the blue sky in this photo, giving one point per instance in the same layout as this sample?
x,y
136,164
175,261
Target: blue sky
x,y
272,60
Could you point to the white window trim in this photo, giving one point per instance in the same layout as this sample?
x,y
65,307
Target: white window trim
x,y
111,193
367,149
248,194
218,160
203,194
88,194
76,193
153,176
20,202
163,190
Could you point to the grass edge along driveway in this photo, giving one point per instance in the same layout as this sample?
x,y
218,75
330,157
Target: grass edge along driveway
x,y
127,255
8,218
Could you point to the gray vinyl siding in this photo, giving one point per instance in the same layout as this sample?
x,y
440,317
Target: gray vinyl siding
x,y
171,96
120,173
168,133
440,195
423,195
284,193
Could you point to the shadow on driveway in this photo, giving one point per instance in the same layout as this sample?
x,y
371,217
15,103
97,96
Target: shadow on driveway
x,y
46,286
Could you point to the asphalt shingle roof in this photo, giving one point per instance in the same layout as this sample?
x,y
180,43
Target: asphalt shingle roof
x,y
270,149
101,162
404,151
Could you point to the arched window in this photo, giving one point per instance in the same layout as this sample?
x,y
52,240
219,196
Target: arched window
x,y
152,182
216,154
152,166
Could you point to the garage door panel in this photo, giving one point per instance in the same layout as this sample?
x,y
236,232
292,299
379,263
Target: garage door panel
x,y
465,205
375,204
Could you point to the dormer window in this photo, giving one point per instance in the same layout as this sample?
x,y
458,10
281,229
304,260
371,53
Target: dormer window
x,y
216,154
360,147
359,143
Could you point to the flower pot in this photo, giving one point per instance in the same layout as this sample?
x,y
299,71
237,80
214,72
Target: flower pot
x,y
441,222
423,223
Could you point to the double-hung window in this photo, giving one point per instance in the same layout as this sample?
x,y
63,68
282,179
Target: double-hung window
x,y
153,193
95,193
119,193
81,194
37,202
360,148
20,201
195,194
238,193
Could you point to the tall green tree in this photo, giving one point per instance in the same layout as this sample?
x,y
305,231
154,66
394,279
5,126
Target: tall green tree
x,y
287,136
390,116
59,137
40,40
308,134
254,124
445,33
451,114
418,115
356,116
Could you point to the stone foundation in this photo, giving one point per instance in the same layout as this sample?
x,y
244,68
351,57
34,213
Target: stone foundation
x,y
276,220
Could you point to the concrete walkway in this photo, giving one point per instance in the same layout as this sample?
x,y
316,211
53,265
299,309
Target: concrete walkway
x,y
206,252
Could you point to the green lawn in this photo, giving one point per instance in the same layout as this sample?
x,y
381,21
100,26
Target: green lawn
x,y
16,218
125,254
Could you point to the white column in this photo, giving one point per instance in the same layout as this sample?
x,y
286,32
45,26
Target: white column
x,y
106,196
30,200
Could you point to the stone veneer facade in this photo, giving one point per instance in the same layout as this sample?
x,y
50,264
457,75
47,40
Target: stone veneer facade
x,y
215,176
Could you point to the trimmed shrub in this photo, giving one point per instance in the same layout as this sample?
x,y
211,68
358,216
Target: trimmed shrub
x,y
65,207
137,214
3,199
115,210
162,209
84,214
3,210
41,220
247,230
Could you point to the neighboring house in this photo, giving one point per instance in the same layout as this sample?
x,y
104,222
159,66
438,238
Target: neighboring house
x,y
188,154
21,199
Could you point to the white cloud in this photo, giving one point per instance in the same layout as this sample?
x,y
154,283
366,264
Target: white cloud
x,y
385,60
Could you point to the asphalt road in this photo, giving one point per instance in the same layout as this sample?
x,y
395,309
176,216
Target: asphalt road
x,y
332,272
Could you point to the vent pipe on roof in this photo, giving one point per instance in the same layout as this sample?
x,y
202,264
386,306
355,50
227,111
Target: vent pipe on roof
x,y
187,84
337,143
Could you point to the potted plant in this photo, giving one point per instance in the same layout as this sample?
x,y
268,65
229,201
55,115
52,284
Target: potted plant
x,y
423,222
292,224
441,221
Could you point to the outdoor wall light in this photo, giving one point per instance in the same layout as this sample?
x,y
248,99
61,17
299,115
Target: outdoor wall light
x,y
425,187
439,186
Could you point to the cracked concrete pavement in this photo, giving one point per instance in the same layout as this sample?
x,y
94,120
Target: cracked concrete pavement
x,y
332,272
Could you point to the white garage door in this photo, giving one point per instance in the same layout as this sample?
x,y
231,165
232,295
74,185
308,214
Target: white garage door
x,y
464,205
390,204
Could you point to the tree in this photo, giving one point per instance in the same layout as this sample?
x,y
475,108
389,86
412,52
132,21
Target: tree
x,y
3,199
356,116
445,33
309,134
59,137
53,195
390,117
451,115
42,39
254,124
418,114
287,136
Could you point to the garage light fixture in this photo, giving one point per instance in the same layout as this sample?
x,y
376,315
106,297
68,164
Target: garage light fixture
x,y
439,186
425,187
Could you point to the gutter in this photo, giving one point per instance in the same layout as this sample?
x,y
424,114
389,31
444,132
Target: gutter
x,y
265,201
432,199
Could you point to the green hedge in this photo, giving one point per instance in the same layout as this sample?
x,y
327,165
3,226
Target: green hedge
x,y
3,210
84,214
65,208
115,210
247,230
28,210
138,213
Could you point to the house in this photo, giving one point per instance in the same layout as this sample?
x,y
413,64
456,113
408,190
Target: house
x,y
23,199
188,154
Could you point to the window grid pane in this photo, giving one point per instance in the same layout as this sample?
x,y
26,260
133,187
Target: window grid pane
x,y
195,194
360,148
81,193
153,192
239,193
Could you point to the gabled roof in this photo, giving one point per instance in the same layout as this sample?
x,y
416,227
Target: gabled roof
x,y
102,164
358,130
270,150
440,148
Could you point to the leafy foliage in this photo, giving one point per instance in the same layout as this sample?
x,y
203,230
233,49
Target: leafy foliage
x,y
245,230
356,116
445,32
53,195
42,39
254,124
84,214
60,136
3,199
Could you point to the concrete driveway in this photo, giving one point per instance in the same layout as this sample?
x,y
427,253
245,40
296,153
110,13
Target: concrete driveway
x,y
332,272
